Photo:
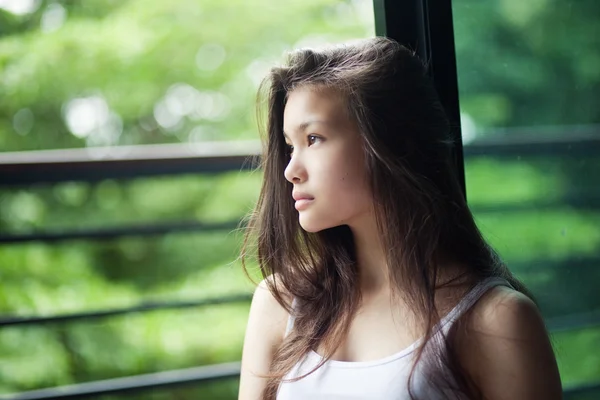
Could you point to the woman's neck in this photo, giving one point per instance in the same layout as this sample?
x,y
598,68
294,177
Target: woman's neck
x,y
373,264
370,255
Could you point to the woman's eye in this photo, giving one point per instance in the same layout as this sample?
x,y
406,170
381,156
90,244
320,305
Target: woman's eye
x,y
312,139
290,149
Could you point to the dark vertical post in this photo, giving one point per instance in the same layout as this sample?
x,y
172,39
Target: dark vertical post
x,y
426,27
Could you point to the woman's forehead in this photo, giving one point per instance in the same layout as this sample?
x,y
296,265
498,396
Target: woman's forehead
x,y
306,107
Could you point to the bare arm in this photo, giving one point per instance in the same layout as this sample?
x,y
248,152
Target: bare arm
x,y
264,334
506,349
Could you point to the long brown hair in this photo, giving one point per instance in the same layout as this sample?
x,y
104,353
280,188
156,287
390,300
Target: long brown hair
x,y
421,212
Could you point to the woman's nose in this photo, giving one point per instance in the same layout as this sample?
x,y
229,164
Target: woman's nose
x,y
295,172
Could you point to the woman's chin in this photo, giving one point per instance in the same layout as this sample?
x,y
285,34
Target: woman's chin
x,y
312,226
311,229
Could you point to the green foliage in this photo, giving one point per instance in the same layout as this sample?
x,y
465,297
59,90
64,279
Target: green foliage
x,y
131,61
528,63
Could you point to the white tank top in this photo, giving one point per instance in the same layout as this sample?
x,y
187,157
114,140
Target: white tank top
x,y
386,378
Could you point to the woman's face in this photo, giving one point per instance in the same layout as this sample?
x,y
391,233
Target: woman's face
x,y
326,164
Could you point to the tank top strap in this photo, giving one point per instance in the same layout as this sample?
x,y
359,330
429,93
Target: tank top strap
x,y
463,305
471,298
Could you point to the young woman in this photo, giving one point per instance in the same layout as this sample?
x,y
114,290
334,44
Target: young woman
x,y
378,284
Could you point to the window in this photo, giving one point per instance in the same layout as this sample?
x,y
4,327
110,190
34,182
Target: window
x,y
529,81
95,77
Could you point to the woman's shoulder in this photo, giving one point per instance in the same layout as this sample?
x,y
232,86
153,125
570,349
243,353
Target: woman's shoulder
x,y
265,306
264,334
269,285
505,344
502,309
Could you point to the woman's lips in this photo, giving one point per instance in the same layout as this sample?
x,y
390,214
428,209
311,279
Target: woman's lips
x,y
302,204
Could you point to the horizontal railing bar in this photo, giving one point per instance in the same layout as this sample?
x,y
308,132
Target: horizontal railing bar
x,y
126,162
573,322
146,152
6,321
573,263
180,377
203,374
588,202
560,323
574,140
584,201
581,389
120,231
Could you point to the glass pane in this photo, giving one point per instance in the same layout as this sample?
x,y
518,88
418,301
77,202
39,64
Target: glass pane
x,y
120,72
529,82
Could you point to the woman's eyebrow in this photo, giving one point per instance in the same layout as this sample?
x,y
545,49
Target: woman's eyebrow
x,y
304,126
